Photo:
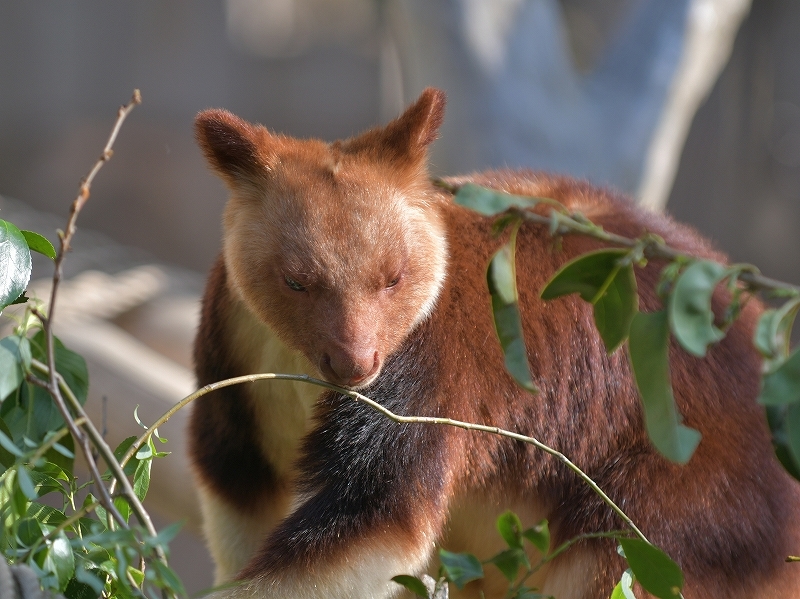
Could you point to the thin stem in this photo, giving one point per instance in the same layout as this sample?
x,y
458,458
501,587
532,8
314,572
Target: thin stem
x,y
45,447
65,237
47,321
612,534
106,453
392,416
79,436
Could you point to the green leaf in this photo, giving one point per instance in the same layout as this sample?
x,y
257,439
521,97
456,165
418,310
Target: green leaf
x,y
19,502
764,335
54,470
15,263
145,452
38,413
413,584
69,365
539,535
615,309
62,454
460,568
102,515
165,537
77,589
510,561
85,585
123,507
39,243
624,588
45,514
653,568
9,445
585,275
41,414
649,351
60,560
73,368
63,450
793,431
20,300
690,314
782,385
25,483
141,479
120,452
44,483
510,528
15,356
29,531
773,332
168,578
600,280
508,324
488,201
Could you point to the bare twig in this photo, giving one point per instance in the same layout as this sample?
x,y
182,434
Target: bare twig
x,y
86,183
65,238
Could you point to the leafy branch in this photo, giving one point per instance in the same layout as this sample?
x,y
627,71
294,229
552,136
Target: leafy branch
x,y
561,222
605,278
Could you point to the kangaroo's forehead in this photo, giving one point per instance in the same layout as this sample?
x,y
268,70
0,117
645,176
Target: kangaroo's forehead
x,y
351,200
357,228
348,212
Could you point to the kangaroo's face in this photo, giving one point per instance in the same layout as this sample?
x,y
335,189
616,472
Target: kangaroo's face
x,y
337,247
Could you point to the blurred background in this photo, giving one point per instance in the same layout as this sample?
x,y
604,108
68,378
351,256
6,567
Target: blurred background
x,y
690,106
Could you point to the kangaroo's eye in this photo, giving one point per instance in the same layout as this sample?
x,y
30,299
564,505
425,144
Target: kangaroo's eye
x,y
293,285
393,282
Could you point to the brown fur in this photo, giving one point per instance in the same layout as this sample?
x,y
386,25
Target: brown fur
x,y
373,498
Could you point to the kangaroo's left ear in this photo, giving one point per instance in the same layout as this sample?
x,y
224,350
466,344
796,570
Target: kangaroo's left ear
x,y
232,146
405,139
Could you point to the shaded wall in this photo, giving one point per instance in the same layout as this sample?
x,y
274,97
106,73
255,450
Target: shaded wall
x,y
66,66
739,178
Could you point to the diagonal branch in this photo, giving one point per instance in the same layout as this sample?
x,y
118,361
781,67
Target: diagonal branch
x,y
392,416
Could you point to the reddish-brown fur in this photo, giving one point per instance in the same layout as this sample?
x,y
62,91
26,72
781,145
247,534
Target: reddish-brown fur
x,y
374,497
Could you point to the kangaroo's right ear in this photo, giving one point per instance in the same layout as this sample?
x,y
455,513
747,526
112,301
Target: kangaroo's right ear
x,y
230,145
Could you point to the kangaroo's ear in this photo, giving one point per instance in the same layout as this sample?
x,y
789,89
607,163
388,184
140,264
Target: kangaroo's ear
x,y
405,140
413,131
230,145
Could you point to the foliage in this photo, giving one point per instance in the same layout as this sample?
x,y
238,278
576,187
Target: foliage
x,y
649,566
605,278
77,537
51,521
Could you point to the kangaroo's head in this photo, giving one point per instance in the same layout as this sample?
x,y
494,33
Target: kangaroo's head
x,y
338,247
